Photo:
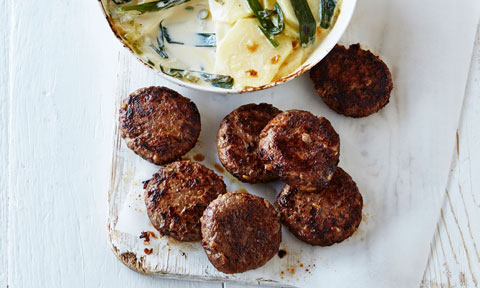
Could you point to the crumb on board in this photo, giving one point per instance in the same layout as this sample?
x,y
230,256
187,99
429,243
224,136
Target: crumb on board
x,y
145,235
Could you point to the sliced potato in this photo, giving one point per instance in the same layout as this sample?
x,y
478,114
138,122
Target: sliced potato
x,y
221,30
293,61
290,17
247,55
229,11
291,32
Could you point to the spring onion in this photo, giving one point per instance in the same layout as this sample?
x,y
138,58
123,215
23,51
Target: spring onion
x,y
327,9
153,6
160,50
268,26
119,2
220,81
200,39
306,22
150,62
168,38
206,40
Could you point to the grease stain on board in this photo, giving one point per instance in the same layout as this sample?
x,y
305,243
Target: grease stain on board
x,y
219,168
293,263
184,247
458,144
233,181
199,157
128,176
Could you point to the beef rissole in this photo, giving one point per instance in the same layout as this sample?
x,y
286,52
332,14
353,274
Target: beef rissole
x,y
237,142
177,195
324,217
240,232
353,82
303,149
159,124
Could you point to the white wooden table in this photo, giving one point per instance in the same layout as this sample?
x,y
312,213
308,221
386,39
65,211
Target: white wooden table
x,y
56,127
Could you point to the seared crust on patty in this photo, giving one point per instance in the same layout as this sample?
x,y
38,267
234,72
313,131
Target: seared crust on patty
x,y
324,218
240,232
237,142
303,149
159,124
177,195
352,82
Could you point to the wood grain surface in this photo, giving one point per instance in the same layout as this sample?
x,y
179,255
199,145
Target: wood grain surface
x,y
55,147
455,258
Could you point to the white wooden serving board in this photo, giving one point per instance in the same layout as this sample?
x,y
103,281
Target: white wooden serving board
x,y
399,157
454,255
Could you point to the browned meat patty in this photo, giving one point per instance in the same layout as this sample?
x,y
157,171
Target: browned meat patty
x,y
324,218
177,195
352,81
240,232
159,124
237,142
303,149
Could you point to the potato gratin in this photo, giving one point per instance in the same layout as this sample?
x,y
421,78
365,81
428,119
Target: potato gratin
x,y
224,43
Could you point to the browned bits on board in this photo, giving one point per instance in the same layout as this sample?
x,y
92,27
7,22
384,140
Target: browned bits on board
x,y
352,82
145,235
218,168
199,157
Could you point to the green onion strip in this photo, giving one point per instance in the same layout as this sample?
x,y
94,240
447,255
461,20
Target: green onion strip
x,y
269,27
153,6
306,22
